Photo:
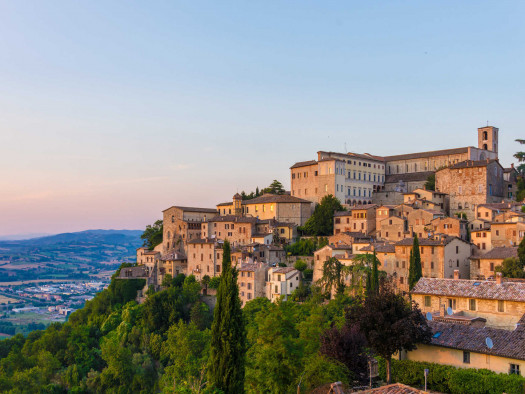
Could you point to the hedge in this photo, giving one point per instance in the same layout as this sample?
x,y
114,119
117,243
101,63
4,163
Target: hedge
x,y
448,379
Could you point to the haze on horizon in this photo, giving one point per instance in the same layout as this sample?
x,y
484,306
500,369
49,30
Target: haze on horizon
x,y
110,113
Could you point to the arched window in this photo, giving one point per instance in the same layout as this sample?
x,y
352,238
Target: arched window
x,y
172,218
169,235
485,135
485,146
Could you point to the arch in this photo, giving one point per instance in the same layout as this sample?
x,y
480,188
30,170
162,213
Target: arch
x,y
485,147
485,135
169,235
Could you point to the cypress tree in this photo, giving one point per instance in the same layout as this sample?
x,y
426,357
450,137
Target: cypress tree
x,y
415,271
375,275
228,335
368,289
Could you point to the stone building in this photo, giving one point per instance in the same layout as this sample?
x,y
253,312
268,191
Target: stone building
x,y
506,234
237,229
358,218
351,177
482,239
393,228
440,257
471,183
282,281
204,257
432,161
500,302
483,264
451,226
183,224
251,280
420,221
280,207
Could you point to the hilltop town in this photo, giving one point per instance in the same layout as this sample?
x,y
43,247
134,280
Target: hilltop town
x,y
459,203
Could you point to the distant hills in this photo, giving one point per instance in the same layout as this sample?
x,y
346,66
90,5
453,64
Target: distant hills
x,y
68,255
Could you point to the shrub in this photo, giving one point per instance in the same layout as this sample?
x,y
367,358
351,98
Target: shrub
x,y
448,379
300,265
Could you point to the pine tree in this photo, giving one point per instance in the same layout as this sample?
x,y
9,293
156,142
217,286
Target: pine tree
x,y
228,341
368,288
415,271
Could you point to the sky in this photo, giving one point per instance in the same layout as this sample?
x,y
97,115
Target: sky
x,y
112,111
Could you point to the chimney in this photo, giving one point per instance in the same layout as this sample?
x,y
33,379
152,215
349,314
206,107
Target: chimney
x,y
456,274
499,278
511,165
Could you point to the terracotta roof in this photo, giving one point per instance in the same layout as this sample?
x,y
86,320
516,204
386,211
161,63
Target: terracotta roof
x,y
395,388
498,206
277,198
500,253
283,270
259,235
304,163
510,344
233,218
193,209
443,152
153,252
203,241
408,177
380,248
355,208
353,155
480,289
471,163
445,240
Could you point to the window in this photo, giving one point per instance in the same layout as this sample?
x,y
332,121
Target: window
x,y
466,357
428,301
492,267
501,306
472,304
514,369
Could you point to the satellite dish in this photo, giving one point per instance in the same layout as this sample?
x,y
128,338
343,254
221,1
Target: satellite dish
x,y
429,316
489,342
449,311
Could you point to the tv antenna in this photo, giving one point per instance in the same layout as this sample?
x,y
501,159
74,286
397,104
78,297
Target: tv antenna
x,y
489,342
429,316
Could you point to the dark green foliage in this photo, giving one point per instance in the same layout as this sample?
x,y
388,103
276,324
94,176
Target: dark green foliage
x,y
214,282
521,251
300,265
415,271
389,322
308,274
374,285
448,379
306,246
322,220
430,184
226,366
275,187
153,234
333,276
511,268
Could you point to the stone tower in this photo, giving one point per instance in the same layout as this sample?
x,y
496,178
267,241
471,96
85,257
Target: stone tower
x,y
488,138
237,204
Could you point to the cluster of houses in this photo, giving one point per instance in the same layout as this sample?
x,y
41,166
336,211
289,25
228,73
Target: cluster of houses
x,y
466,225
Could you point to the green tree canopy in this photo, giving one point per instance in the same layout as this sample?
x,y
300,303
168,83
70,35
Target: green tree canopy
x,y
322,220
275,187
415,271
389,322
511,268
228,336
430,183
152,236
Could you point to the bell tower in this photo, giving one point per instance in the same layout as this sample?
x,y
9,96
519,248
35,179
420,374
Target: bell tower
x,y
237,204
488,138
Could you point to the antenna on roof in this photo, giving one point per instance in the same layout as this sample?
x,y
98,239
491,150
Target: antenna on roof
x,y
489,342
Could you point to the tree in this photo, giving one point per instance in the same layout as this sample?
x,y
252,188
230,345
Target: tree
x,y
152,236
521,251
275,187
276,238
511,268
348,346
214,282
333,276
390,323
374,286
430,184
322,220
415,271
300,265
228,335
167,281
